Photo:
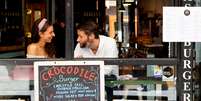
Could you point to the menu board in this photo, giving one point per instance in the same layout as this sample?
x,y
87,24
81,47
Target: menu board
x,y
69,81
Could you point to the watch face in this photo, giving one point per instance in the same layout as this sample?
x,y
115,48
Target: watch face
x,y
187,12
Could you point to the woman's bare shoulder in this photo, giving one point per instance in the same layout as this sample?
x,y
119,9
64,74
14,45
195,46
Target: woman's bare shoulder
x,y
31,48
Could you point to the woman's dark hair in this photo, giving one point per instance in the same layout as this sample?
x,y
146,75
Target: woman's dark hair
x,y
49,47
89,27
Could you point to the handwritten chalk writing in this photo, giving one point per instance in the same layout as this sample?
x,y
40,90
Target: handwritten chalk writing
x,y
63,79
58,96
80,87
64,88
62,92
70,96
81,91
67,96
84,73
62,85
89,95
73,91
78,84
80,95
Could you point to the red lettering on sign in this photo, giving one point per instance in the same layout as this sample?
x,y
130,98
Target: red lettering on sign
x,y
51,73
62,69
81,72
45,76
69,70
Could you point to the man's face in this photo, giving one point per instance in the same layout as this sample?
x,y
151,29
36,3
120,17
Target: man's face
x,y
82,38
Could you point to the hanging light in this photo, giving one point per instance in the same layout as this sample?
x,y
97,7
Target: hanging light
x,y
122,8
136,2
28,11
127,2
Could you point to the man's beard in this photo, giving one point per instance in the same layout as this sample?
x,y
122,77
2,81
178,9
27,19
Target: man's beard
x,y
84,45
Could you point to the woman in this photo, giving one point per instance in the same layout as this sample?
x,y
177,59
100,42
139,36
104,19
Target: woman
x,y
42,35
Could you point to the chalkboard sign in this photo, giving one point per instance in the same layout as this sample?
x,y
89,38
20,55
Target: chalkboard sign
x,y
69,81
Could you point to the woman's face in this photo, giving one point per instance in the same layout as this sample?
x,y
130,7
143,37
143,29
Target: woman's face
x,y
48,34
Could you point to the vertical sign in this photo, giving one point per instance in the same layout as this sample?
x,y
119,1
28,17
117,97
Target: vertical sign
x,y
185,75
69,81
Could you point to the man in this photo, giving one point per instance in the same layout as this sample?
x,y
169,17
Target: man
x,y
92,45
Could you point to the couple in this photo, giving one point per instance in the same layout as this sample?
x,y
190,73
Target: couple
x,y
90,43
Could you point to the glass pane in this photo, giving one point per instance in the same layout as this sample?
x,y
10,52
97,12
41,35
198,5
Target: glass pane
x,y
11,28
142,28
16,82
17,18
143,82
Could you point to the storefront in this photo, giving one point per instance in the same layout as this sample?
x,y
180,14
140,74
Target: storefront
x,y
149,69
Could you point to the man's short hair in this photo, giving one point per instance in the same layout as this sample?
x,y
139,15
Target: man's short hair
x,y
89,27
